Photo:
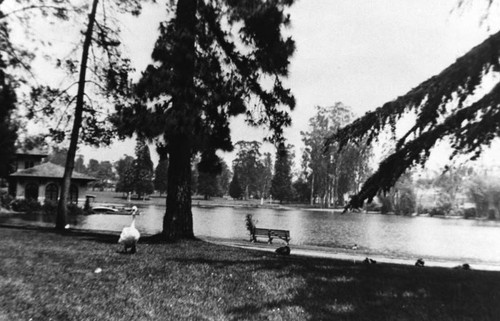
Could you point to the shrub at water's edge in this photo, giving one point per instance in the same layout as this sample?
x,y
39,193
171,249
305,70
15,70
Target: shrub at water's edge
x,y
48,208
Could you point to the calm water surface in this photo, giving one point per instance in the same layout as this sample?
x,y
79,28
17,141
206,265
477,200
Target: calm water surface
x,y
393,236
407,237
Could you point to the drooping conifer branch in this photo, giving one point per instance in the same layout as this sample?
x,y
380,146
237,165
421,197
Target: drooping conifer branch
x,y
429,98
469,128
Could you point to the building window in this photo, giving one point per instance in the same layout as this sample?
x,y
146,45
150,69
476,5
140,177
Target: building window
x,y
73,194
52,192
31,191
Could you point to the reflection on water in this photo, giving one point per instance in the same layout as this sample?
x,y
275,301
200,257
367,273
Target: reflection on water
x,y
411,237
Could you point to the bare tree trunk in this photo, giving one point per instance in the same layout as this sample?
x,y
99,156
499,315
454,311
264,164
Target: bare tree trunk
x,y
70,159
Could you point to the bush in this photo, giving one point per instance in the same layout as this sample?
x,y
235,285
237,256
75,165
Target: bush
x,y
438,211
492,213
5,200
470,212
422,210
49,207
74,210
26,205
373,207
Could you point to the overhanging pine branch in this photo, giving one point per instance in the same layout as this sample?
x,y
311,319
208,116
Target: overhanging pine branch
x,y
482,118
461,78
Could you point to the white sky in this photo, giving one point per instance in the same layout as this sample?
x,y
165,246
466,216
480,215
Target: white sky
x,y
362,53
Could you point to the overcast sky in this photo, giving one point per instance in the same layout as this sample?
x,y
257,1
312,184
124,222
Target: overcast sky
x,y
362,53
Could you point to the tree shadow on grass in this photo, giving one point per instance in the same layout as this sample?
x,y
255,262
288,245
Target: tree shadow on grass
x,y
300,288
337,291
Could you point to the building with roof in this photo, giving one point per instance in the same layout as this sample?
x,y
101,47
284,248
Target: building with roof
x,y
42,181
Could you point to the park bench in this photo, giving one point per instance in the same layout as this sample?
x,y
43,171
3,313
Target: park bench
x,y
270,234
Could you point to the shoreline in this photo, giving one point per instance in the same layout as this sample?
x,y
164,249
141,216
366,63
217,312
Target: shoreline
x,y
346,255
297,250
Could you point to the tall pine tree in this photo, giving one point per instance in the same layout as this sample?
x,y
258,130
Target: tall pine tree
x,y
281,184
161,175
125,171
143,170
235,190
210,63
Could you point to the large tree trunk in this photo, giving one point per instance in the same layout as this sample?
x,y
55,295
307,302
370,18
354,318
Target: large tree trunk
x,y
178,219
70,159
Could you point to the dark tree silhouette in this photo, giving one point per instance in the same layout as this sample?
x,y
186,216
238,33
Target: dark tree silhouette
x,y
281,184
443,112
161,174
209,167
8,129
235,190
143,169
210,60
249,166
125,171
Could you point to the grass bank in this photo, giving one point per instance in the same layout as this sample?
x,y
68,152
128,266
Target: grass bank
x,y
46,275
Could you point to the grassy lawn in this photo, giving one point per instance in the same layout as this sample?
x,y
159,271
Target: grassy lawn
x,y
45,275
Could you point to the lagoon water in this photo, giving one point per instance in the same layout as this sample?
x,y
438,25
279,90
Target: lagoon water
x,y
471,241
459,240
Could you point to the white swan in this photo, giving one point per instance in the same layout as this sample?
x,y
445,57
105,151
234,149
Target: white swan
x,y
130,235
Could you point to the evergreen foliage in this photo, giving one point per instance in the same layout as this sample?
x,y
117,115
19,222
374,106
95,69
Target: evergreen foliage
x,y
302,191
125,171
281,184
208,185
209,169
161,175
235,190
210,61
442,111
143,169
249,166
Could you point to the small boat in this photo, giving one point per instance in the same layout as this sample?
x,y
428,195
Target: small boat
x,y
111,210
104,210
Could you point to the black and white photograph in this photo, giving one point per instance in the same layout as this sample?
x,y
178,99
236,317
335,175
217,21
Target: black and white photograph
x,y
236,160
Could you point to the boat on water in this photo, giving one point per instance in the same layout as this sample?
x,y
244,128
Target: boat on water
x,y
111,210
